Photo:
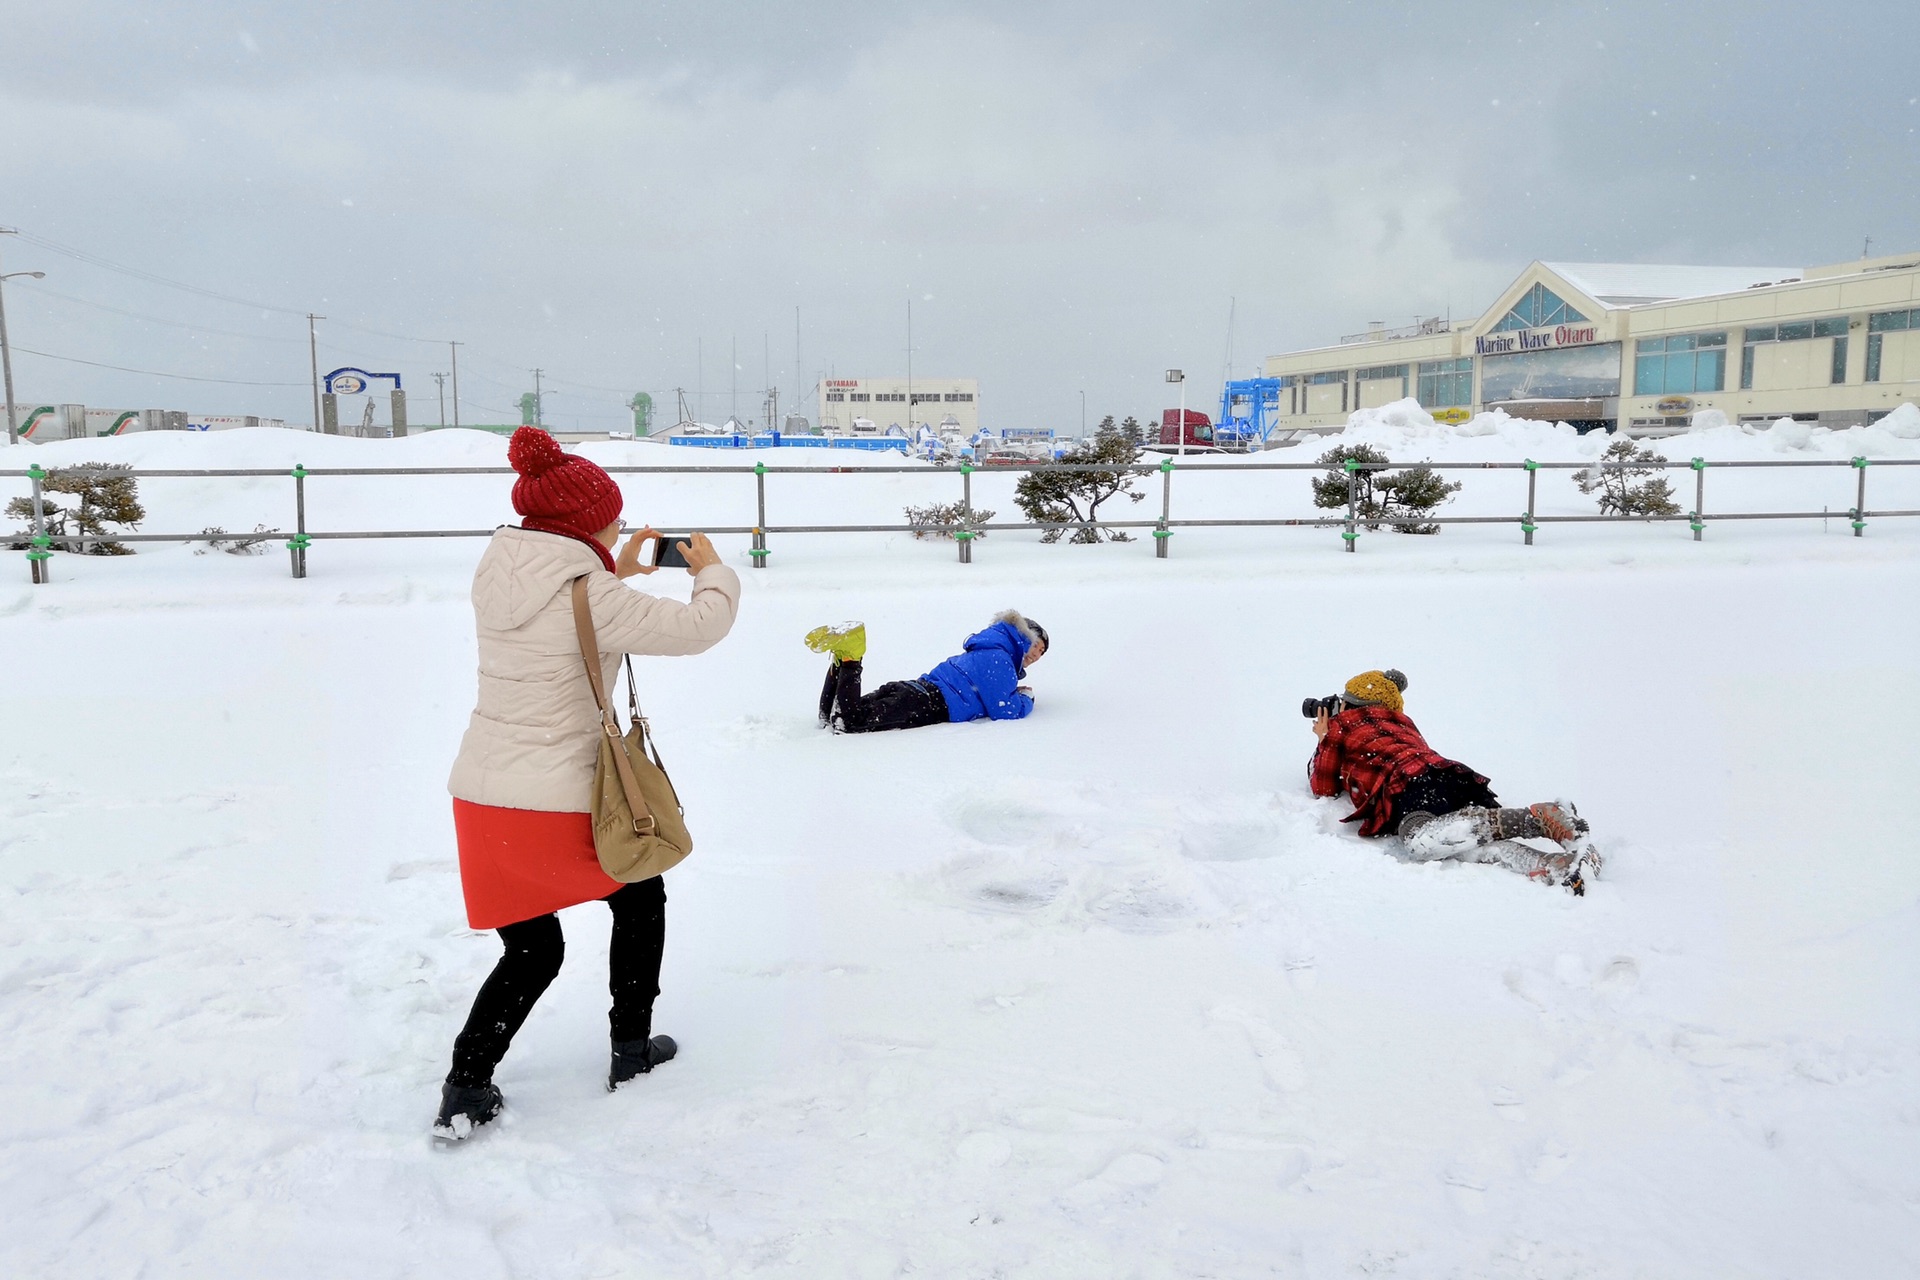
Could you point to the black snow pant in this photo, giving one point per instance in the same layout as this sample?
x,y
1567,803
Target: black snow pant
x,y
534,949
898,704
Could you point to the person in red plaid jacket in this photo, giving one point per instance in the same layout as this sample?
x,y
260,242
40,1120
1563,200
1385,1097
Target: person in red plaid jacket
x,y
1438,807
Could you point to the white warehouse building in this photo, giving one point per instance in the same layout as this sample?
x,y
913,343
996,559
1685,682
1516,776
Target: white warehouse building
x,y
1606,345
952,403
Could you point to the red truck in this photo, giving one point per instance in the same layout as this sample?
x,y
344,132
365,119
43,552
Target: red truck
x,y
1198,434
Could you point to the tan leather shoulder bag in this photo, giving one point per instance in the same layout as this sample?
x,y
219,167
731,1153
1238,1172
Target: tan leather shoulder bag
x,y
639,830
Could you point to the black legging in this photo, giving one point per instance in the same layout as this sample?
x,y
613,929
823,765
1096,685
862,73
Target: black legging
x,y
898,704
534,949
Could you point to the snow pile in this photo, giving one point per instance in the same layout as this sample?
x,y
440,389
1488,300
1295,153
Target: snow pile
x,y
1102,992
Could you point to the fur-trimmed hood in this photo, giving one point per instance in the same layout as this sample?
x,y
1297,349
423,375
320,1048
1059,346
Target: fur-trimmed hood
x,y
1030,631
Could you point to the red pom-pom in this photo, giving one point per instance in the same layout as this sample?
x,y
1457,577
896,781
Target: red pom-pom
x,y
533,453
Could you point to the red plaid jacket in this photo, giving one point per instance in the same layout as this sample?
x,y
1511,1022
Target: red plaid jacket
x,y
1372,753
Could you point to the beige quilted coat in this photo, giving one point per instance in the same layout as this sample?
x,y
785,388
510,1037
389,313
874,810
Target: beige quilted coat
x,y
535,734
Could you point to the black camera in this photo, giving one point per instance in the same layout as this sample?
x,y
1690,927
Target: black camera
x,y
1330,706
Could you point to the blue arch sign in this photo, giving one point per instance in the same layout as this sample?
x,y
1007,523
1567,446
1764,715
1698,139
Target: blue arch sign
x,y
347,381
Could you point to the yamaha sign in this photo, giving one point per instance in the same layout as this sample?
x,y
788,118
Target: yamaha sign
x,y
1563,335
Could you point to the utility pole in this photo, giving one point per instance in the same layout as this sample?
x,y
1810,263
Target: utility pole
x,y
441,379
454,347
799,388
6,352
1083,415
909,366
313,359
539,414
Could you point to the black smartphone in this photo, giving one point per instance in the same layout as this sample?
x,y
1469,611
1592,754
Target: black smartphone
x,y
666,551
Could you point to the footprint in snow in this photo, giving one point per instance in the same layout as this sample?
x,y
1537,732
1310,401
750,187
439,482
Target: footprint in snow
x,y
1279,1061
984,1150
1229,841
1129,1175
1002,822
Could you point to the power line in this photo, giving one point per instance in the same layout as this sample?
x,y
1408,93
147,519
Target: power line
x,y
153,373
38,290
92,259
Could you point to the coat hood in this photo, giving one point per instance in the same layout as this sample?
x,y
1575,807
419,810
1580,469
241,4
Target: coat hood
x,y
1004,636
522,570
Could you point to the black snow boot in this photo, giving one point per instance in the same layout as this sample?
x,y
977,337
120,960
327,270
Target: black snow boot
x,y
465,1108
637,1057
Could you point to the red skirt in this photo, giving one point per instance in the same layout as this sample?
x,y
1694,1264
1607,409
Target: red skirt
x,y
516,864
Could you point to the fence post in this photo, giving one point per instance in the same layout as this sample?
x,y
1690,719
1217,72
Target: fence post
x,y
1351,533
1698,516
298,544
758,551
1526,517
1161,534
39,569
963,538
1860,499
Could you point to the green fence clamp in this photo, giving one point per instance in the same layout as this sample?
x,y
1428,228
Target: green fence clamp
x,y
1853,513
1163,533
34,472
40,543
299,542
966,468
1166,464
759,468
299,472
1351,465
1531,465
1526,522
1693,518
1349,536
758,553
964,535
1699,464
1860,463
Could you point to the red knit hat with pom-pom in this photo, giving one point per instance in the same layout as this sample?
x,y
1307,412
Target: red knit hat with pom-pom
x,y
558,492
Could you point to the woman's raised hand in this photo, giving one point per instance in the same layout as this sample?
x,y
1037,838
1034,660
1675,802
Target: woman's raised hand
x,y
631,560
699,552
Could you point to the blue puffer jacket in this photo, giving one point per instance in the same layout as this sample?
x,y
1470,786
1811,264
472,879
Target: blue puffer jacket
x,y
982,681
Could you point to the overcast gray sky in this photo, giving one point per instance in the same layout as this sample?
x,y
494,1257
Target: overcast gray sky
x,y
1072,193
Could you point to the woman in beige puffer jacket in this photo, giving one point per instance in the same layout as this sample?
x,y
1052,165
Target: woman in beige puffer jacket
x,y
522,781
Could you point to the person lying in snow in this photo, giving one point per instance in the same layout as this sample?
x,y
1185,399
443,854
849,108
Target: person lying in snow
x,y
981,682
1438,807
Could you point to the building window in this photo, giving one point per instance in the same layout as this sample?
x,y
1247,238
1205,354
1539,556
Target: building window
x,y
924,397
835,397
1884,322
1680,363
1839,361
860,396
1443,384
1539,308
1792,331
1557,373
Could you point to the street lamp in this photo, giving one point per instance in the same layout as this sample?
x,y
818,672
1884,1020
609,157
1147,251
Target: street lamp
x,y
6,354
1175,375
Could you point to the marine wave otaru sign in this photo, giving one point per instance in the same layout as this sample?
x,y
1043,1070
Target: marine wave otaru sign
x,y
1561,335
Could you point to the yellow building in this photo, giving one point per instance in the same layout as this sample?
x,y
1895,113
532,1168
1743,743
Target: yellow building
x,y
1605,345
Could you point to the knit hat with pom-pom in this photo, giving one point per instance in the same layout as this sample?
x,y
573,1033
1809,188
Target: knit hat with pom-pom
x,y
558,492
1376,689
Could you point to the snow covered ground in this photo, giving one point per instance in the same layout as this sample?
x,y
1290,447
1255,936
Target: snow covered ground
x,y
1100,993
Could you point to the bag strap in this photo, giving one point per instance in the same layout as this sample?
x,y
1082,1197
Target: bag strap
x,y
643,822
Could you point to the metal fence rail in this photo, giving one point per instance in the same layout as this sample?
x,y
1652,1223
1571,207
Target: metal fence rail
x,y
40,542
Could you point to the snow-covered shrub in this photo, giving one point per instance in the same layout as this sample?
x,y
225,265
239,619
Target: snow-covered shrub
x,y
107,495
927,521
1402,499
1624,461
